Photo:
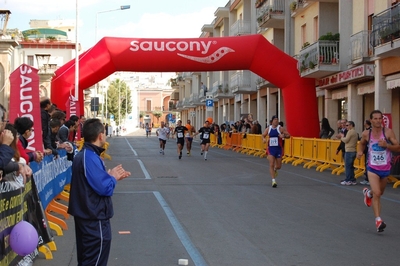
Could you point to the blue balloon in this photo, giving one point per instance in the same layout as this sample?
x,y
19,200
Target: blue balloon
x,y
23,238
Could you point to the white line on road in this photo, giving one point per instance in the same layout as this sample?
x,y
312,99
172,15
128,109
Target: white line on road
x,y
146,174
134,152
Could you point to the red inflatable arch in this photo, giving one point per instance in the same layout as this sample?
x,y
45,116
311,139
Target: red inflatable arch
x,y
251,52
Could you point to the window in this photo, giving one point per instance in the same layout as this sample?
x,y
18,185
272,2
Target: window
x,y
148,105
316,29
30,60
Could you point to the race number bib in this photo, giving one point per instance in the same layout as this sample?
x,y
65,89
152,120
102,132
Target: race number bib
x,y
206,135
187,134
273,142
180,135
378,158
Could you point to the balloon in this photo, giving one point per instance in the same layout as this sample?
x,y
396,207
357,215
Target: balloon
x,y
210,120
23,238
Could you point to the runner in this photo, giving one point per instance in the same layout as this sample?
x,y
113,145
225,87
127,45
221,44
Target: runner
x,y
148,130
276,134
205,132
189,136
180,137
162,134
380,142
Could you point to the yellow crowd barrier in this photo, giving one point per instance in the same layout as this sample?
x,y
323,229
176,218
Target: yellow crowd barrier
x,y
309,152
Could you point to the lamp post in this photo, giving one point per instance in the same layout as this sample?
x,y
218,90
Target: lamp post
x,y
121,8
124,7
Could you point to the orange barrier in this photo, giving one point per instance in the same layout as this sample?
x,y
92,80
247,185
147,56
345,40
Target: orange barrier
x,y
236,141
228,141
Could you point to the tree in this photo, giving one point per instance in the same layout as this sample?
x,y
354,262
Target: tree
x,y
157,114
119,100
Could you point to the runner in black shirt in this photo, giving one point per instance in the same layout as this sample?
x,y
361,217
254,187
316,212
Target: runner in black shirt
x,y
180,137
205,132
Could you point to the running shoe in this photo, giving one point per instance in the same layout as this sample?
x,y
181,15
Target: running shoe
x,y
274,184
380,225
189,154
201,153
367,200
364,182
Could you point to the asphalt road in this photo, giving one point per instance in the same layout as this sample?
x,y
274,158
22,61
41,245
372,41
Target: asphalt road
x,y
223,211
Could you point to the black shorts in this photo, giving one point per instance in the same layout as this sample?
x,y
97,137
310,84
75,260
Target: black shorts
x,y
180,141
205,141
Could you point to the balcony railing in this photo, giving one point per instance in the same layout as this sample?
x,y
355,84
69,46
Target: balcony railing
x,y
386,26
360,46
194,99
241,27
319,59
48,69
271,14
240,82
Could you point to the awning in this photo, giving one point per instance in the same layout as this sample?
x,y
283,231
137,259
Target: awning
x,y
393,84
339,94
364,88
43,32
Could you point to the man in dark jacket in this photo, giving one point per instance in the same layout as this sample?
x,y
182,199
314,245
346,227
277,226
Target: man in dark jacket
x,y
90,200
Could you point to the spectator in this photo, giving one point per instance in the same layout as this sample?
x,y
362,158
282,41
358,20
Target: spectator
x,y
45,105
24,126
326,130
90,200
350,141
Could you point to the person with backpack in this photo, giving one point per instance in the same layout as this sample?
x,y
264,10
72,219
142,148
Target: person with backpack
x,y
381,142
276,135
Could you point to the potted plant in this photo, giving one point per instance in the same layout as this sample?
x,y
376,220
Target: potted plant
x,y
51,38
305,45
293,6
226,90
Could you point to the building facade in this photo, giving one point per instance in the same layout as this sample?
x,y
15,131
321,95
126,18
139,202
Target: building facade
x,y
350,47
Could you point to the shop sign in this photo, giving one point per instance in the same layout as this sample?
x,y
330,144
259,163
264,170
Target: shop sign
x,y
353,74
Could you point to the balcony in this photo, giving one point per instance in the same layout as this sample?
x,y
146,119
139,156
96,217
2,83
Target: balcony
x,y
262,82
195,100
385,35
48,69
319,59
179,105
187,75
171,105
241,27
360,50
222,91
297,6
241,82
186,104
270,14
202,96
175,95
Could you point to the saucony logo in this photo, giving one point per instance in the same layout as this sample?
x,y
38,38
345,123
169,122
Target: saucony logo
x,y
217,55
183,46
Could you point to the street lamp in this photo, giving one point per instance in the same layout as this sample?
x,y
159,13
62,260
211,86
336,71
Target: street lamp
x,y
124,7
121,8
